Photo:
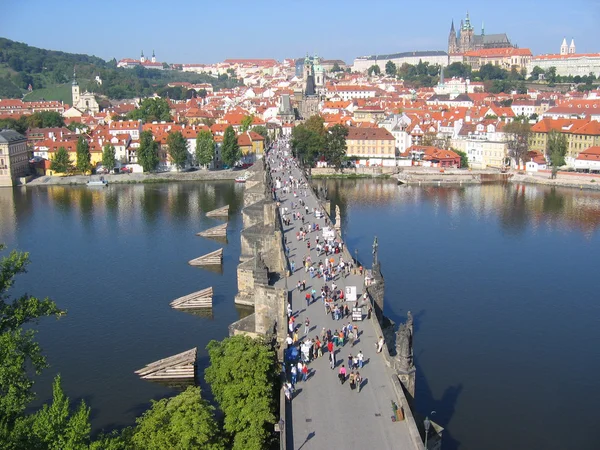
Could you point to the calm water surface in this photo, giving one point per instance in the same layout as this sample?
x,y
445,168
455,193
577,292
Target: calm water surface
x,y
503,284
501,281
114,258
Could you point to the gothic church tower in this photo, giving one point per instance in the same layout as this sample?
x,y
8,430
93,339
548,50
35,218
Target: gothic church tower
x,y
452,41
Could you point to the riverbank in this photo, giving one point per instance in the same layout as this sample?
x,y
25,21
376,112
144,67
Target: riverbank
x,y
563,179
160,177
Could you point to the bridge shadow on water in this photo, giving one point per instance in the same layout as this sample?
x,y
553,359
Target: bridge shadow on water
x,y
444,407
425,402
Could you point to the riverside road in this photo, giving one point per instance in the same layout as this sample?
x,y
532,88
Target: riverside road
x,y
323,412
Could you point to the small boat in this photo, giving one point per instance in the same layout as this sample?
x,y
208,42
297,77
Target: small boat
x,y
99,182
242,178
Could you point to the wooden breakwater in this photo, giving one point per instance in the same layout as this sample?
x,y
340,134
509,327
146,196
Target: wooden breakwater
x,y
176,367
210,259
199,299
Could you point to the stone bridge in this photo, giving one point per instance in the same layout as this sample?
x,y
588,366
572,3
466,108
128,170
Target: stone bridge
x,y
323,412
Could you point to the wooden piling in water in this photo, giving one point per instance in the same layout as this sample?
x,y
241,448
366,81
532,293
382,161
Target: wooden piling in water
x,y
180,366
210,259
200,299
219,212
220,231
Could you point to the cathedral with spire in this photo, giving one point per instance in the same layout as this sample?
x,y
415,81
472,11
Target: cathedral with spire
x,y
465,40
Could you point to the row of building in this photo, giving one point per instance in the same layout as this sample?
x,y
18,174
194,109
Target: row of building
x,y
389,123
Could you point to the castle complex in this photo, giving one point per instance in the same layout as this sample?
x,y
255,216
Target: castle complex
x,y
465,40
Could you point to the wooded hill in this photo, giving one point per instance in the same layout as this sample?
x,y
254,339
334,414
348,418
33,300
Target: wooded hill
x,y
22,65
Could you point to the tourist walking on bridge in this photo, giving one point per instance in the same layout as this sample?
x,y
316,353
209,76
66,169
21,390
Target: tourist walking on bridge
x,y
342,374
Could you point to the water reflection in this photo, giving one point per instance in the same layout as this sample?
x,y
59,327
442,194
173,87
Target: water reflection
x,y
114,258
517,207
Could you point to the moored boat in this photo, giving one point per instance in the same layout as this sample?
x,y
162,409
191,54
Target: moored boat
x,y
98,182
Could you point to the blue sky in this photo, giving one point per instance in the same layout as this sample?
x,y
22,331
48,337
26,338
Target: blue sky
x,y
203,31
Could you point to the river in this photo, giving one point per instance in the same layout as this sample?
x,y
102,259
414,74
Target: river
x,y
499,278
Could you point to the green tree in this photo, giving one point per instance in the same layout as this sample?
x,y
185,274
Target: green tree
x,y
335,146
54,427
517,135
205,148
74,126
182,422
152,110
306,144
390,68
246,123
202,93
19,125
45,119
464,159
243,378
230,150
61,162
336,67
374,69
109,157
19,352
551,75
177,149
84,157
147,152
556,149
316,124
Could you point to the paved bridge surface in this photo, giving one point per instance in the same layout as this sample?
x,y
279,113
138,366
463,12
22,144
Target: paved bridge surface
x,y
324,413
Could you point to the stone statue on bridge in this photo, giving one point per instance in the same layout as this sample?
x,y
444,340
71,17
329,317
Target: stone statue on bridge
x,y
404,345
375,247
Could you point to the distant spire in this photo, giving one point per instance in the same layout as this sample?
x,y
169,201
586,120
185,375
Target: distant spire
x,y
482,29
452,27
153,53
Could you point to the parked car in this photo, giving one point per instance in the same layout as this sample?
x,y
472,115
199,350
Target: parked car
x,y
126,170
101,170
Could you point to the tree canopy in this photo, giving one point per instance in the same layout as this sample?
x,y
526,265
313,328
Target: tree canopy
x,y
246,123
307,144
182,422
390,68
152,110
83,155
147,152
374,70
230,150
556,149
335,146
109,157
177,149
47,69
205,148
243,377
518,133
45,119
20,354
61,162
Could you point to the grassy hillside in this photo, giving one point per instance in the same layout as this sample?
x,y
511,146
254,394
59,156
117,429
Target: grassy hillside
x,y
61,92
50,72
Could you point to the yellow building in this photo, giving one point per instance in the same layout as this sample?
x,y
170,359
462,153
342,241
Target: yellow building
x,y
252,146
581,134
371,146
369,114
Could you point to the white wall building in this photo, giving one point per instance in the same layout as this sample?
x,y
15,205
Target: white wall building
x,y
362,63
568,62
